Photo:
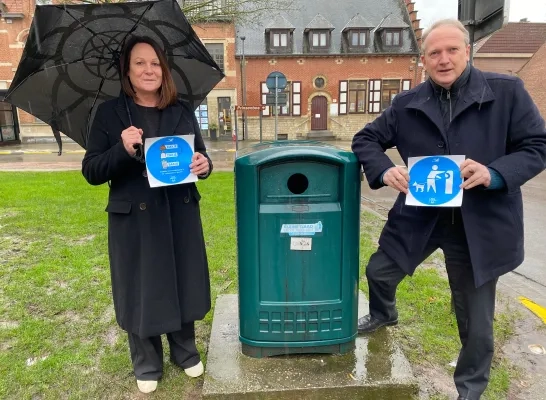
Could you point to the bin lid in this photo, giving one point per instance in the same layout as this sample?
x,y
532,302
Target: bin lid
x,y
265,152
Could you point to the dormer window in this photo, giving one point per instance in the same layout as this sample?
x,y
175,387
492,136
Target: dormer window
x,y
279,39
393,37
319,39
358,37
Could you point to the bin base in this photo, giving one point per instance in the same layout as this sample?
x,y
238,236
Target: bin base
x,y
260,352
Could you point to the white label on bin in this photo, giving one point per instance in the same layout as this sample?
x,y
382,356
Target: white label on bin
x,y
300,243
302,229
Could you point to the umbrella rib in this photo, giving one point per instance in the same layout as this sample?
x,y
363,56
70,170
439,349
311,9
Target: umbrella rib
x,y
93,105
122,43
53,66
86,28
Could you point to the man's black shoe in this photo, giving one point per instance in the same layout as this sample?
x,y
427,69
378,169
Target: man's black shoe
x,y
369,324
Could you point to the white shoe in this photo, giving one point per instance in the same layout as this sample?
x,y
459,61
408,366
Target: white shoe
x,y
195,371
147,386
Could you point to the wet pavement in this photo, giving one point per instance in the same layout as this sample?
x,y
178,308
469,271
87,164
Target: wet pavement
x,y
375,370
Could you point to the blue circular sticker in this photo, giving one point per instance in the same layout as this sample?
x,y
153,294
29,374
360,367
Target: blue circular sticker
x,y
435,180
168,160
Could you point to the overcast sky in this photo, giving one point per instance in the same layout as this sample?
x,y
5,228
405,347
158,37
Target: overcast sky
x,y
430,10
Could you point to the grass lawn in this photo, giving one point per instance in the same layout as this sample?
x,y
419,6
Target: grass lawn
x,y
58,335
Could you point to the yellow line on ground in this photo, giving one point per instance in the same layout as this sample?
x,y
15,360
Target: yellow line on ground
x,y
537,309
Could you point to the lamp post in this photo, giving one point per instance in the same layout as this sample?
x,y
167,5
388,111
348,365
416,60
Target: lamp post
x,y
243,86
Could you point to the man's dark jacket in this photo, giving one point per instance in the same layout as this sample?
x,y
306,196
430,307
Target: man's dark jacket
x,y
495,123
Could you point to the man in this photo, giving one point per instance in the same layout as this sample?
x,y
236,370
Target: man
x,y
492,121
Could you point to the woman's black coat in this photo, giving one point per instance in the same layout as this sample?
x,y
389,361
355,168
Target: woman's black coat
x,y
158,261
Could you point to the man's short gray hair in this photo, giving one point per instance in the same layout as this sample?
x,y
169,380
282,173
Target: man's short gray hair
x,y
446,22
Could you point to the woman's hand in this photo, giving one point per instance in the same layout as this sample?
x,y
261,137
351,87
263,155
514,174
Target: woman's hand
x,y
199,164
131,136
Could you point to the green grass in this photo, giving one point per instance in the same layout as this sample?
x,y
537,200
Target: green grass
x,y
58,335
56,308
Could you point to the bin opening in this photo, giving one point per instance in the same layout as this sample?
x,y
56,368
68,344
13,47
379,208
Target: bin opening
x,y
298,183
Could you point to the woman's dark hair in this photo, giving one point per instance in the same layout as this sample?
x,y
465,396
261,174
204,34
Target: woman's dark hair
x,y
167,91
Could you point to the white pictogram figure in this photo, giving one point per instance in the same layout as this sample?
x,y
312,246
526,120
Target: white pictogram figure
x,y
419,187
432,177
449,182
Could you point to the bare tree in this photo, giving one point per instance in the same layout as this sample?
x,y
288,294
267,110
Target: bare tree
x,y
243,11
200,11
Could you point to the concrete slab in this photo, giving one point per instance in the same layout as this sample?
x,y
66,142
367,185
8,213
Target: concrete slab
x,y
375,370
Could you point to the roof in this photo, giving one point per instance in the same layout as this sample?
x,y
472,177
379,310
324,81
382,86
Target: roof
x,y
392,21
319,22
338,14
280,22
516,37
358,21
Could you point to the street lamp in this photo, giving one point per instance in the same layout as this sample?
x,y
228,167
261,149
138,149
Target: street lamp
x,y
243,86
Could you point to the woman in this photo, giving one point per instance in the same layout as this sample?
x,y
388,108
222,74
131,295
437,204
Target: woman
x,y
158,263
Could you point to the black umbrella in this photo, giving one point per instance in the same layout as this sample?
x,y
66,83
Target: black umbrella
x,y
70,63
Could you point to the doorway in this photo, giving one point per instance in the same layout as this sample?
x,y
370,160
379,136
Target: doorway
x,y
319,113
224,117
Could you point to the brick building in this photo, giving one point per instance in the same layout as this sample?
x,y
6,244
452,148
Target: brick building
x,y
219,39
507,50
344,62
533,75
16,17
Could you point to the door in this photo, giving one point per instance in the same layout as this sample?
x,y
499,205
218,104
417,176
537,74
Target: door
x,y
319,113
224,116
8,126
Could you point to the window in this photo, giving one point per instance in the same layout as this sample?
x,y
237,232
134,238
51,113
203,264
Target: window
x,y
216,50
293,100
296,99
374,97
357,38
390,89
393,38
343,87
264,91
319,39
279,39
285,110
357,97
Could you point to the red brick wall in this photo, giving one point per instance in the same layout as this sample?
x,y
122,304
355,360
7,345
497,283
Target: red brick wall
x,y
12,36
369,67
508,66
533,74
222,33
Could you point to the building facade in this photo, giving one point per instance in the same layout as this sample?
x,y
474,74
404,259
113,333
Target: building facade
x,y
533,75
343,61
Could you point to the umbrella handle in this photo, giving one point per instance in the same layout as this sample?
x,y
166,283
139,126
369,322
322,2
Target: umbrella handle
x,y
139,155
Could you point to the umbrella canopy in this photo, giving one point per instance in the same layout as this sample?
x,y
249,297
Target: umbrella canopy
x,y
70,63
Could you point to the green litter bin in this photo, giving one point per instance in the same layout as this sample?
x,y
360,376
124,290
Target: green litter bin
x,y
298,219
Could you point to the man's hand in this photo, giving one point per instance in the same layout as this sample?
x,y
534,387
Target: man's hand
x,y
475,174
397,178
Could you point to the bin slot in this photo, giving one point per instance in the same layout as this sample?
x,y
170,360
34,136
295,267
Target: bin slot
x,y
311,181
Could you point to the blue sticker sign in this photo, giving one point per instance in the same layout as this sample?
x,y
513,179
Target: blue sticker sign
x,y
168,160
435,181
302,229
